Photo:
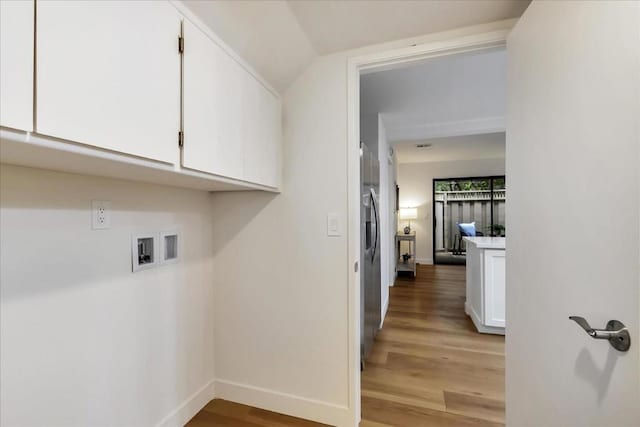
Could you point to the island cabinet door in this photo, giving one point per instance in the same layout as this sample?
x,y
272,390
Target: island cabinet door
x,y
494,295
108,75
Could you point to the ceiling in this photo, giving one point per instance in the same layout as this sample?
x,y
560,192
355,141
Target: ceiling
x,y
264,33
468,147
281,38
447,96
335,25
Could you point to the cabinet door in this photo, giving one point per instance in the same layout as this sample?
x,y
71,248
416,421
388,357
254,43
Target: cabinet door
x,y
262,134
494,295
273,134
212,88
109,75
16,64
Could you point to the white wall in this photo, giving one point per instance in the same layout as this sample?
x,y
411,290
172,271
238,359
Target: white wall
x,y
387,216
84,341
416,186
281,283
373,134
369,132
449,95
128,349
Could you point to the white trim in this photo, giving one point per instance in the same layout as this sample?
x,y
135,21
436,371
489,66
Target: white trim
x,y
483,329
355,65
353,237
425,261
384,312
284,403
394,58
191,406
45,152
399,131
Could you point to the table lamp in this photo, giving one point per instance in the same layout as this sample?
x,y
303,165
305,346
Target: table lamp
x,y
408,214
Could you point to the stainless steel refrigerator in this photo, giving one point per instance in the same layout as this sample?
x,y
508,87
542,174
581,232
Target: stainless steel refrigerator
x,y
370,291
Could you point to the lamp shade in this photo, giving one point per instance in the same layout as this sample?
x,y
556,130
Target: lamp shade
x,y
408,213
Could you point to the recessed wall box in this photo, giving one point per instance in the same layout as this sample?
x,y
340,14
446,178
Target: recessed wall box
x,y
144,251
170,247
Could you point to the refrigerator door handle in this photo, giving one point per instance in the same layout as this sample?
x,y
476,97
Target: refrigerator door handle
x,y
374,204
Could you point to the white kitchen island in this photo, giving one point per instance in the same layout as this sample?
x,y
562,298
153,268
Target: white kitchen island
x,y
485,302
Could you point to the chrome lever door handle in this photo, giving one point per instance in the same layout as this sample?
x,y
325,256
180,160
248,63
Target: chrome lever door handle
x,y
616,333
583,323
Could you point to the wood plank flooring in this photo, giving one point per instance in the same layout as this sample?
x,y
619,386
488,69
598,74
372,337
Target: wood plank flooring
x,y
428,366
222,413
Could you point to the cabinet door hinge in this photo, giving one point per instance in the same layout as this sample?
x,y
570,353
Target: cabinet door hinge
x,y
180,139
181,44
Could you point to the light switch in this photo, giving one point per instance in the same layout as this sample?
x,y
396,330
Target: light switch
x,y
333,225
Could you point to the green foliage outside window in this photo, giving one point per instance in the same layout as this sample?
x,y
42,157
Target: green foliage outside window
x,y
470,185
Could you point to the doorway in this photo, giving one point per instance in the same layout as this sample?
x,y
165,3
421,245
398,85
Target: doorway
x,y
478,203
400,110
494,38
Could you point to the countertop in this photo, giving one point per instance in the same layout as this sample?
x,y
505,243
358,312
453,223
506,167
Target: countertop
x,y
484,242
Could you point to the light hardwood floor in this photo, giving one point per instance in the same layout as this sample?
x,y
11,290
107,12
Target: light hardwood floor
x,y
222,413
428,366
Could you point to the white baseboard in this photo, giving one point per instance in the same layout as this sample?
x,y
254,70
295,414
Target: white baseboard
x,y
384,311
191,406
472,313
478,324
284,403
427,261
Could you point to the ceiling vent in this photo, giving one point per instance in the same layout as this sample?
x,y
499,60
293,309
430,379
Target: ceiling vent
x,y
424,145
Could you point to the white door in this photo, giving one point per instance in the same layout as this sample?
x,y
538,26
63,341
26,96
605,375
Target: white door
x,y
108,75
573,244
16,64
213,112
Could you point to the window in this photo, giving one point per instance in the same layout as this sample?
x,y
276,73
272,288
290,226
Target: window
x,y
479,200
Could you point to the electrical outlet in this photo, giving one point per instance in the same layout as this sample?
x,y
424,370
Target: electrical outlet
x,y
100,214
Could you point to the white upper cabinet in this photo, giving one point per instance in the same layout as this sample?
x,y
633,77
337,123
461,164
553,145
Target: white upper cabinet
x,y
232,122
108,75
111,84
16,64
262,131
212,106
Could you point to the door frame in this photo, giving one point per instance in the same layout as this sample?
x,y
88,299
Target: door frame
x,y
378,61
433,202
